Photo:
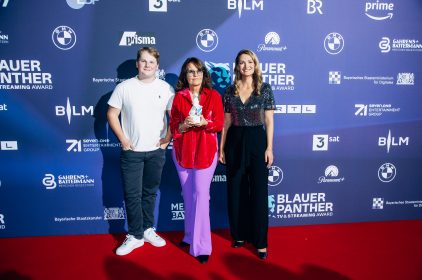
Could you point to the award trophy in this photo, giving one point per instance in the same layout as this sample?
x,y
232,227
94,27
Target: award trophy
x,y
196,110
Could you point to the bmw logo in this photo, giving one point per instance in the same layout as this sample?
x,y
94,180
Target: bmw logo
x,y
333,43
387,172
206,40
275,176
64,37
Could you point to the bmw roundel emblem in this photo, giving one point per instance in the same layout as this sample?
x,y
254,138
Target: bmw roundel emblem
x,y
275,176
206,40
64,37
333,43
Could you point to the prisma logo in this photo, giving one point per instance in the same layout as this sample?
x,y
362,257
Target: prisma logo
x,y
314,6
130,38
242,5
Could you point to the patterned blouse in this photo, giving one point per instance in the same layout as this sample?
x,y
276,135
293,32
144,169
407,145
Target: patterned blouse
x,y
250,113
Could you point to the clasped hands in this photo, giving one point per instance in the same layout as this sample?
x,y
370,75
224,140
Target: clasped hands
x,y
188,123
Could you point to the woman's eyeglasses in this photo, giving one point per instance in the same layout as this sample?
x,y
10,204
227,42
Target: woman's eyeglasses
x,y
194,73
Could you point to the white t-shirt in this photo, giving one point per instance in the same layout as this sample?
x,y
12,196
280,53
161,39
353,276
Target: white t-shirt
x,y
143,109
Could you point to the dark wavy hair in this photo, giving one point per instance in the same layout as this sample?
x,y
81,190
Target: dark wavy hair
x,y
257,74
183,81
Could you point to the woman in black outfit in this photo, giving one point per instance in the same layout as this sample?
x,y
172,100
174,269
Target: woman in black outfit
x,y
246,148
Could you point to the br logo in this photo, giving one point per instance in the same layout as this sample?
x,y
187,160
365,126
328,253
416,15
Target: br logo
x,y
220,75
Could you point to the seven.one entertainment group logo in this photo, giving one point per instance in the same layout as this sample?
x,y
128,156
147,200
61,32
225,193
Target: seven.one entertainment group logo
x,y
89,145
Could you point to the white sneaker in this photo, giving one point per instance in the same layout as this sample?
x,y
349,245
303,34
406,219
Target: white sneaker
x,y
153,238
130,244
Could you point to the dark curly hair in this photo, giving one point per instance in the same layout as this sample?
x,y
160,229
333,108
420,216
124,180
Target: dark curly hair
x,y
183,82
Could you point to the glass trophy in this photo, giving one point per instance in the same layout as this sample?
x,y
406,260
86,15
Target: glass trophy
x,y
196,110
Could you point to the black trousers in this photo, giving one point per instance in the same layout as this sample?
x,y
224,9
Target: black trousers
x,y
247,184
141,174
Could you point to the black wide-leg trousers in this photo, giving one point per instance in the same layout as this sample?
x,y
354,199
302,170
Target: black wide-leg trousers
x,y
247,184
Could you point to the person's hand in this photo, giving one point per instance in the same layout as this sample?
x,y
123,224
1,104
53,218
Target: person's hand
x,y
202,122
163,143
222,157
269,157
126,145
188,122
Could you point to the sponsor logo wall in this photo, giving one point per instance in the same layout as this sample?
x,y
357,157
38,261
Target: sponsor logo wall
x,y
347,87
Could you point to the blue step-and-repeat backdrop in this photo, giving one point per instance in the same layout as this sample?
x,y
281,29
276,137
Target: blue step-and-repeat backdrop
x,y
346,75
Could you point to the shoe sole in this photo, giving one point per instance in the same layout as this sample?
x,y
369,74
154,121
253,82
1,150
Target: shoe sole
x,y
156,245
130,250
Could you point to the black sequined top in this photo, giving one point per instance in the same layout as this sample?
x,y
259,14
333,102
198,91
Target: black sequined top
x,y
252,112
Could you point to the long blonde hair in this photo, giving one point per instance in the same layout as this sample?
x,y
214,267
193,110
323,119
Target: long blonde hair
x,y
257,74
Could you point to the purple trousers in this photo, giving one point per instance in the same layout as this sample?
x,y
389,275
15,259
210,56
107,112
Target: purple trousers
x,y
196,196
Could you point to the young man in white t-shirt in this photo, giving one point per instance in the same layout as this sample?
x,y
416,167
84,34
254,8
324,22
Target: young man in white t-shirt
x,y
142,102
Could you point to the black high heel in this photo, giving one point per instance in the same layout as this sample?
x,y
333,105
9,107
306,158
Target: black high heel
x,y
238,244
183,244
202,258
262,255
